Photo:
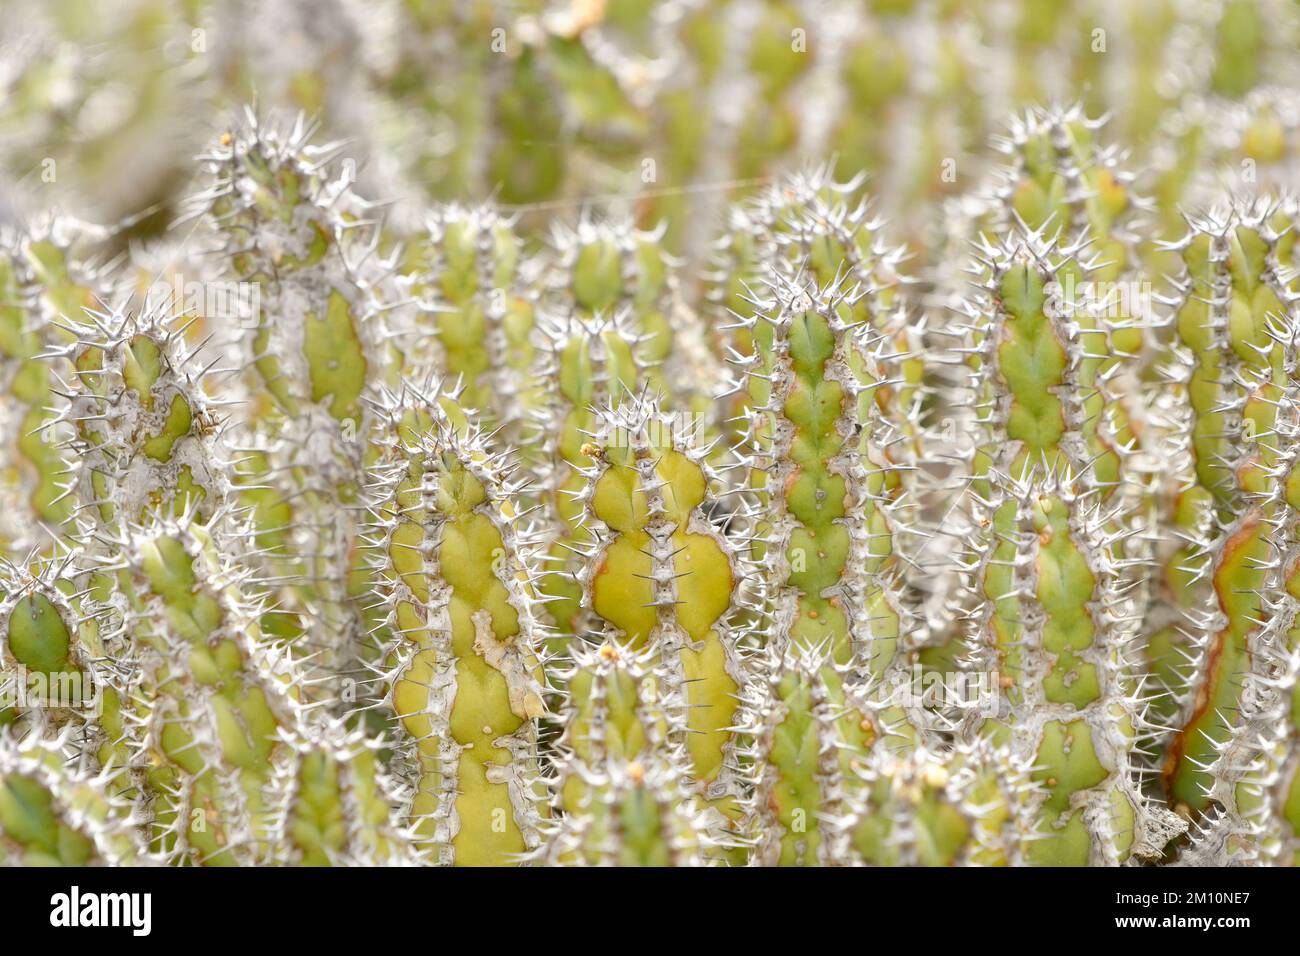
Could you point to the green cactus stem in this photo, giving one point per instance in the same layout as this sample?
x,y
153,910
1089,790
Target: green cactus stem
x,y
456,575
53,815
661,577
828,503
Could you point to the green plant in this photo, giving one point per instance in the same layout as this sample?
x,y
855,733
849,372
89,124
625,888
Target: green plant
x,y
494,531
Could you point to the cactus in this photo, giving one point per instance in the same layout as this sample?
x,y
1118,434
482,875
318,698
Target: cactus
x,y
609,268
1235,320
543,102
146,438
590,364
55,658
662,578
334,804
29,488
632,818
455,573
620,788
204,716
809,225
828,500
499,519
1249,776
811,733
614,713
1058,633
227,764
475,284
53,816
965,808
47,284
1053,615
302,246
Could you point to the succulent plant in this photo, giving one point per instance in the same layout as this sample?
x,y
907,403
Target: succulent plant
x,y
308,310
53,815
660,576
1234,380
811,729
455,572
479,292
49,279
621,788
967,807
580,468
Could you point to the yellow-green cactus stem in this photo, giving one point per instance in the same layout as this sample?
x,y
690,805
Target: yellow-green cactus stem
x,y
53,814
662,577
1049,574
1234,320
335,804
45,288
634,815
477,293
966,807
442,40
301,246
1239,39
1055,630
1060,180
55,660
300,242
907,73
1151,99
810,227
781,51
1264,139
688,141
1266,802
1249,785
1226,624
606,266
614,712
1039,348
61,277
1059,176
828,509
589,364
146,436
810,732
1228,311
616,728
456,575
208,736
877,73
408,410
528,117
28,462
211,701
1249,145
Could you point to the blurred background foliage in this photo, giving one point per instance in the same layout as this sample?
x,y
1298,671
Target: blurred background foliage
x,y
665,110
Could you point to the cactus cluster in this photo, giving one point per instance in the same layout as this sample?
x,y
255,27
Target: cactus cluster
x,y
673,104
936,504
